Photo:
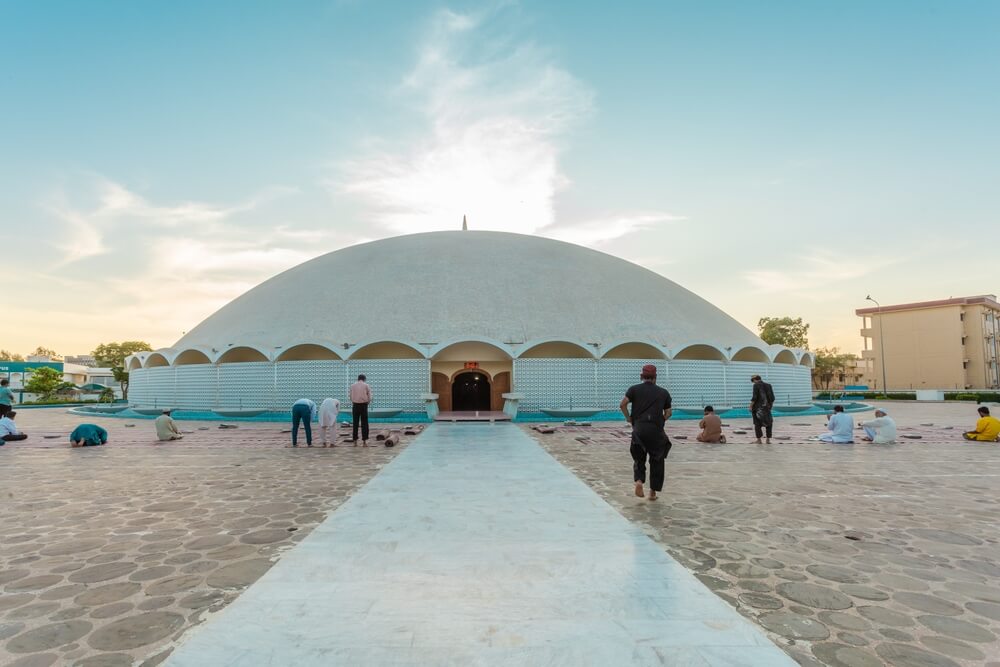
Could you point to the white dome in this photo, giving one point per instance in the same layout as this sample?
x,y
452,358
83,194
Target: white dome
x,y
441,287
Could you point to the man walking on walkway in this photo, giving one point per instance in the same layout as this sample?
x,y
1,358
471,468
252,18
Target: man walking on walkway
x,y
650,411
361,396
760,407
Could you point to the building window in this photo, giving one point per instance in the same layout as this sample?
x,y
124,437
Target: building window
x,y
961,317
965,364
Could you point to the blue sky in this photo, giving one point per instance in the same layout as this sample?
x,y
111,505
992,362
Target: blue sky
x,y
776,158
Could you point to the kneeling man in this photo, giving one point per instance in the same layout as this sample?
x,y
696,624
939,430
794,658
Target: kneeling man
x,y
166,427
711,427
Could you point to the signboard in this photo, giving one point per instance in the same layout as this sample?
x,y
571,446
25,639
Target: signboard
x,y
7,367
472,364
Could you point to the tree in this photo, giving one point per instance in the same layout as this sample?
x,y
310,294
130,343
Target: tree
x,y
784,331
6,355
112,355
829,364
44,352
45,382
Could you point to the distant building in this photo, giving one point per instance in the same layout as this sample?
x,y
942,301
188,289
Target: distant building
x,y
44,358
81,360
19,372
948,344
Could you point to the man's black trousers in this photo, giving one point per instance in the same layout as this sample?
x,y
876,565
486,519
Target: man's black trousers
x,y
649,441
359,413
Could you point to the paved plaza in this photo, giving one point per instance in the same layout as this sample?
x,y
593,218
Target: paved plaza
x,y
108,554
479,549
476,548
849,555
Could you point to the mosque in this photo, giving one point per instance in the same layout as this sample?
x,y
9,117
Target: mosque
x,y
465,321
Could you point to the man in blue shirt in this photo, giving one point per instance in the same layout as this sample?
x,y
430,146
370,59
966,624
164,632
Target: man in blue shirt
x,y
6,398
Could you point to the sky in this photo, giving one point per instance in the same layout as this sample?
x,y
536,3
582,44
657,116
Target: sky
x,y
776,158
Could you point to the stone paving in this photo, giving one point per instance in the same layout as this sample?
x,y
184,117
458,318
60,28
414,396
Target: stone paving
x,y
849,555
108,554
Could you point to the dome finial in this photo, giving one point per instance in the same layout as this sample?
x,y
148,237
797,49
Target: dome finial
x,y
465,225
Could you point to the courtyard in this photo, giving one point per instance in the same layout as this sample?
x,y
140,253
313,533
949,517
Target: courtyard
x,y
840,555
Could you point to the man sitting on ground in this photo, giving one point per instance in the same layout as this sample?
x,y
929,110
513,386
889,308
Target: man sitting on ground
x,y
987,427
166,427
8,429
840,427
88,435
881,430
711,427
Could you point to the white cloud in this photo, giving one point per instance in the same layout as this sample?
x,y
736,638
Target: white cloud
x,y
85,231
494,112
602,230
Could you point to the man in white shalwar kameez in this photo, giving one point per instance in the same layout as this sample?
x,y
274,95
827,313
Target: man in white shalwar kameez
x,y
328,412
840,427
881,430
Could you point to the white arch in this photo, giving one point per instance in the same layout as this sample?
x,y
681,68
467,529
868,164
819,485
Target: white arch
x,y
751,353
135,363
701,351
190,356
785,357
660,352
243,349
492,342
301,351
807,359
156,360
586,351
421,354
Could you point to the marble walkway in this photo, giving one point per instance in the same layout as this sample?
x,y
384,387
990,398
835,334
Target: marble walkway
x,y
475,547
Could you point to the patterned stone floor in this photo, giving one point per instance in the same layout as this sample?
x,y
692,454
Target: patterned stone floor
x,y
109,554
849,555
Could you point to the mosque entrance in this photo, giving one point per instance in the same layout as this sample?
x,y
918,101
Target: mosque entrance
x,y
470,391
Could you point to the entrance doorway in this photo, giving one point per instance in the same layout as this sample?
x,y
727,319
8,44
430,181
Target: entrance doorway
x,y
470,391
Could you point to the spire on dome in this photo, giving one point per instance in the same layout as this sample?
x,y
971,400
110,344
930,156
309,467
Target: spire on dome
x,y
465,224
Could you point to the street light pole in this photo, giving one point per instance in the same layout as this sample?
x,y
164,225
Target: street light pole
x,y
881,342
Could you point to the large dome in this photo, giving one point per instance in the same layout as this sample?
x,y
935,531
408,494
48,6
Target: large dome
x,y
433,288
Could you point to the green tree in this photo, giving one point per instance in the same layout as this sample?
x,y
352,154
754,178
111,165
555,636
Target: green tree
x,y
6,355
107,395
44,352
112,355
45,382
784,331
830,363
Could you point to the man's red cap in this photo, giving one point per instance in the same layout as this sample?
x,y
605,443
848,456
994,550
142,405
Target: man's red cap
x,y
649,370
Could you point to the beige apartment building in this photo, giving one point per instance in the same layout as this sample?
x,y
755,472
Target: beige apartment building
x,y
949,344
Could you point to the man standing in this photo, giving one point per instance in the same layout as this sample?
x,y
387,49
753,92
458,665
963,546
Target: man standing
x,y
166,427
6,398
361,396
650,411
987,427
303,410
760,407
881,430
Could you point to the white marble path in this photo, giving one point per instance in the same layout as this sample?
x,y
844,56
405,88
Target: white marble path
x,y
475,547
